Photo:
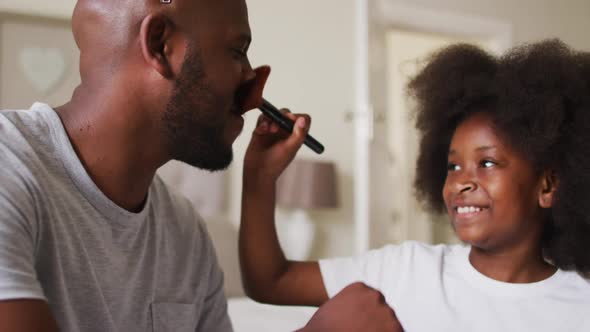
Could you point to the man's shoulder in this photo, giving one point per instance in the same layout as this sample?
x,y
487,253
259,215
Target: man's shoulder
x,y
28,155
23,142
10,126
25,131
22,120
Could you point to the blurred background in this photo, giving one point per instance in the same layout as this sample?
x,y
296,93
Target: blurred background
x,y
345,62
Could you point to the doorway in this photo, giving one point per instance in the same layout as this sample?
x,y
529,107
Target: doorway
x,y
401,38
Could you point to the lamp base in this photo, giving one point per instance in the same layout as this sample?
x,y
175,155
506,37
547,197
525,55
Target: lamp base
x,y
296,234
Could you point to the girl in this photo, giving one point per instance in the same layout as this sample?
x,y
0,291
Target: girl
x,y
505,150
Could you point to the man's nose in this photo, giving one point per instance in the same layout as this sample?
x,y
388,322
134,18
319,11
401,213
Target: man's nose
x,y
248,72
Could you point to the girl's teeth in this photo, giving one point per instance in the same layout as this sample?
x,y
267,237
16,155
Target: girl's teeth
x,y
468,209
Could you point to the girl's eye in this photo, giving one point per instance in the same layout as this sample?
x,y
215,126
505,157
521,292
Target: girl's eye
x,y
453,167
487,163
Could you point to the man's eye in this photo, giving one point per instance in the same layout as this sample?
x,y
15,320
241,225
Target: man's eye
x,y
453,167
240,53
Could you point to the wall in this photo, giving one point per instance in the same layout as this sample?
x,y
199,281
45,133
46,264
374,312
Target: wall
x,y
531,19
47,8
38,61
309,45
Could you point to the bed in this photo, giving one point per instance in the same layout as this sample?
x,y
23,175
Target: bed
x,y
248,316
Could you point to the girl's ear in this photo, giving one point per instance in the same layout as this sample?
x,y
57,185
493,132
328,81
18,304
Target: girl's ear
x,y
156,43
549,184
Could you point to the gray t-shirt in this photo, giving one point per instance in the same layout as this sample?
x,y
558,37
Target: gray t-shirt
x,y
100,267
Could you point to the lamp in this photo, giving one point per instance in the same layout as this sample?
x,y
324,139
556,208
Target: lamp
x,y
304,185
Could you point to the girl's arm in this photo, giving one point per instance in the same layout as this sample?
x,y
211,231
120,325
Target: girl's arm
x,y
267,275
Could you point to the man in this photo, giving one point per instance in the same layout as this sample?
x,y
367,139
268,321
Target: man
x,y
90,238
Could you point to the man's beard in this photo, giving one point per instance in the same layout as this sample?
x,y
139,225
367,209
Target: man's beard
x,y
194,120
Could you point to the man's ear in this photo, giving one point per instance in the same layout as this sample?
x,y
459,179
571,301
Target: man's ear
x,y
155,41
549,184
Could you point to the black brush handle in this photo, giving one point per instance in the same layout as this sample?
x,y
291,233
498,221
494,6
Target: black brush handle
x,y
287,124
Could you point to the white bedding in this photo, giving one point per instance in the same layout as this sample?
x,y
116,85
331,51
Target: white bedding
x,y
249,316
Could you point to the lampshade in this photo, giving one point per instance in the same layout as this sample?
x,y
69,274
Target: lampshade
x,y
308,184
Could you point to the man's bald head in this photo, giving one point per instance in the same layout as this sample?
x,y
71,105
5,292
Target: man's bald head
x,y
107,32
103,30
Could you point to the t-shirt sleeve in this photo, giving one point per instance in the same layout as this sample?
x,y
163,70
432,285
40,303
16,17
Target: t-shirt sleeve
x,y
383,269
18,278
215,315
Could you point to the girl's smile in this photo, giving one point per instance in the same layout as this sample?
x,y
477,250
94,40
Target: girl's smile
x,y
467,214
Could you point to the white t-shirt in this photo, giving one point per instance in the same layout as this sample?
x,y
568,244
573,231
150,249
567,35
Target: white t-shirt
x,y
435,288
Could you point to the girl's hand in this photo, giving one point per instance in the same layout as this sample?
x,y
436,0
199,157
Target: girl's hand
x,y
271,148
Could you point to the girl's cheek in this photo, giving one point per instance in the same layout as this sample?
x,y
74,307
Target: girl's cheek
x,y
446,194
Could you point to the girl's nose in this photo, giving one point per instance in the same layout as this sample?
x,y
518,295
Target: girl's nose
x,y
466,186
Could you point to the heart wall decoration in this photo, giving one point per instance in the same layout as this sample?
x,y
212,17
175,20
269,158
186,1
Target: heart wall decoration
x,y
44,68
